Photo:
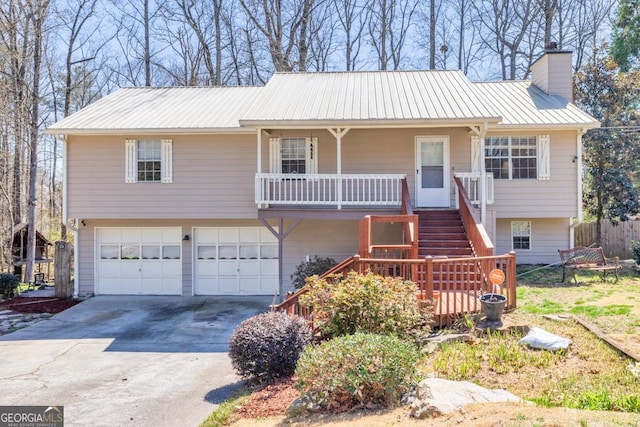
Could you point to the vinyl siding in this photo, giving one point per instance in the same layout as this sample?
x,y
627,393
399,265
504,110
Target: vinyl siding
x,y
213,177
326,238
557,197
547,236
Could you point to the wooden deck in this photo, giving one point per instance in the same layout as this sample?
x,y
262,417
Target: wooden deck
x,y
453,284
450,306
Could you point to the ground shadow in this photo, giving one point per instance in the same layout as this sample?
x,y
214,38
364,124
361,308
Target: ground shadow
x,y
218,395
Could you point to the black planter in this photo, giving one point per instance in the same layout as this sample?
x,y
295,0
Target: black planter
x,y
493,306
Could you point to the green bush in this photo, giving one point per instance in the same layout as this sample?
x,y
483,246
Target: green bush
x,y
267,346
360,369
367,303
314,267
8,284
635,247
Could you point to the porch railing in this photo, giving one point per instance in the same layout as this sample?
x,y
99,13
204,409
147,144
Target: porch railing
x,y
329,189
472,182
453,284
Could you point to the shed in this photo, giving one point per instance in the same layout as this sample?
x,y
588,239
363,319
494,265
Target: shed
x,y
19,251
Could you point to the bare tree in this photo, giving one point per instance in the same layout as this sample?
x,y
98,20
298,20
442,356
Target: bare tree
x,y
37,14
389,25
284,25
352,16
205,20
508,24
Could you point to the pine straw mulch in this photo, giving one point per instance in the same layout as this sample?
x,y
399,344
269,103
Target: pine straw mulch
x,y
37,304
269,401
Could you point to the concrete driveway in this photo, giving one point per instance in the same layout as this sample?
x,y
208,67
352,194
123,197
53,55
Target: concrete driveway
x,y
128,360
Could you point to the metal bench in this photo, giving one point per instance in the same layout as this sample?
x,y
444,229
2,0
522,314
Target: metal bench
x,y
591,259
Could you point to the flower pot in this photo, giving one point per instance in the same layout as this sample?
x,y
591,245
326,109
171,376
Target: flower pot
x,y
493,306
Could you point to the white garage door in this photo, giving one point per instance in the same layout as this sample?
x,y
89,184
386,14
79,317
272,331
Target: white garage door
x,y
139,261
235,261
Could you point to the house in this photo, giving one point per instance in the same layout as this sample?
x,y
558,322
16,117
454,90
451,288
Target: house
x,y
224,190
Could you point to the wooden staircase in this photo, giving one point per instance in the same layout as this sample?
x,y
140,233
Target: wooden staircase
x,y
441,233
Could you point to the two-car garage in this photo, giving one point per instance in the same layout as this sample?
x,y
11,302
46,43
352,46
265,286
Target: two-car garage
x,y
149,261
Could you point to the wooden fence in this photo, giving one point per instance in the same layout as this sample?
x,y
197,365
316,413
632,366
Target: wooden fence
x,y
616,239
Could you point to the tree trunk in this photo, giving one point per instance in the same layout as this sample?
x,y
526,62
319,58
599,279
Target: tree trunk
x,y
38,18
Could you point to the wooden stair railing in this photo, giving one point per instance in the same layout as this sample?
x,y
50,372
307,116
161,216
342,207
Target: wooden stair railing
x,y
476,233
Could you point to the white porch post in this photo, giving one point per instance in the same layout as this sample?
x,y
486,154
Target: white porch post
x,y
338,133
259,157
481,132
483,180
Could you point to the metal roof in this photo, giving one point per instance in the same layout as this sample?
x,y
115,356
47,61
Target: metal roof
x,y
364,99
162,109
368,96
522,104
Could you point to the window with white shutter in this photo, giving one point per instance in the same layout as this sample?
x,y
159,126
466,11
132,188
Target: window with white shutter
x,y
148,160
293,155
517,157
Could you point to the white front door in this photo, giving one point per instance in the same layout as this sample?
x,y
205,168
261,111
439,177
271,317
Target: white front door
x,y
432,171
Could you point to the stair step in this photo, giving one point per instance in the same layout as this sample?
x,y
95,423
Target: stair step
x,y
444,243
442,236
444,251
440,230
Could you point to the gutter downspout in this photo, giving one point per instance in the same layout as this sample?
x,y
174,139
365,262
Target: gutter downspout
x,y
73,225
579,218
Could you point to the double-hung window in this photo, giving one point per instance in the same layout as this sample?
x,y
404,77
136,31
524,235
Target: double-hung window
x,y
521,235
293,155
517,157
148,160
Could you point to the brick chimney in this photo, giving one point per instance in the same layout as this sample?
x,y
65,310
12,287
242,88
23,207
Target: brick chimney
x,y
553,73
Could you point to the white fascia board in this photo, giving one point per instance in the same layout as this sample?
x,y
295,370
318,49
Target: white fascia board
x,y
367,124
544,126
151,131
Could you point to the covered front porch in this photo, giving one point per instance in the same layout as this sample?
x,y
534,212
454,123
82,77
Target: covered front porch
x,y
363,168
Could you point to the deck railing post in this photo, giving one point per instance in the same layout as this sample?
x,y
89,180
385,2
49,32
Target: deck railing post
x,y
428,279
511,280
364,245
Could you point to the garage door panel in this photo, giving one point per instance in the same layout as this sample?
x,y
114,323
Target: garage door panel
x,y
228,268
228,235
173,269
268,285
139,260
249,268
235,260
269,268
151,235
131,235
249,235
207,268
228,285
250,285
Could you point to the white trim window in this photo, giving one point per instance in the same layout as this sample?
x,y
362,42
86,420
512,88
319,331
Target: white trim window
x,y
293,155
517,157
148,160
521,235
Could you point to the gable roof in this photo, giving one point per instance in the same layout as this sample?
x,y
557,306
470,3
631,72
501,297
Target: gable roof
x,y
354,99
162,110
523,104
371,96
